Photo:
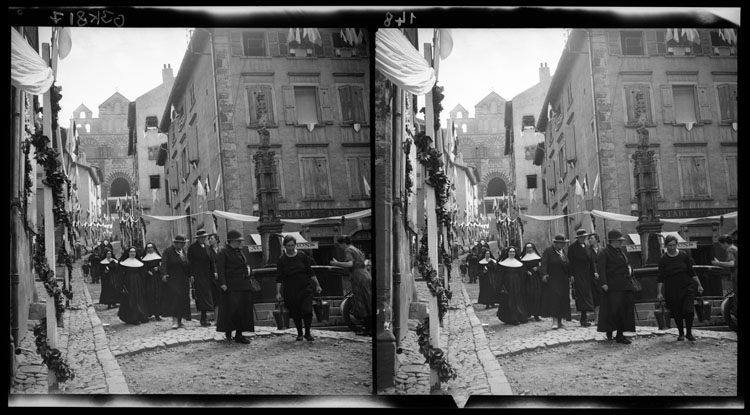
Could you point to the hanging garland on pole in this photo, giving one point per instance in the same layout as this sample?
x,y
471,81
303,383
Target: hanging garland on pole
x,y
434,356
51,357
47,276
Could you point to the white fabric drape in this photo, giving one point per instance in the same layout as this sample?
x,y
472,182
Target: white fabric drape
x,y
28,71
401,62
614,216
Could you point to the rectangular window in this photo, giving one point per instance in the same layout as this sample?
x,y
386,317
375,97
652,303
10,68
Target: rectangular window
x,y
693,178
527,122
661,44
727,102
153,152
192,95
254,43
351,98
152,123
684,104
315,182
631,99
631,42
185,167
531,181
306,103
155,181
530,151
562,163
731,169
344,49
721,46
264,93
570,94
359,176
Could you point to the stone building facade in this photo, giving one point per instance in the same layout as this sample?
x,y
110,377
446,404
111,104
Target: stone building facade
x,y
690,105
319,122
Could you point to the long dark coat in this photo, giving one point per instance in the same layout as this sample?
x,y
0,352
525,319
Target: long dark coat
x,y
582,269
175,299
133,286
154,286
489,283
200,270
532,287
473,262
110,281
597,290
616,312
512,306
213,254
236,304
556,291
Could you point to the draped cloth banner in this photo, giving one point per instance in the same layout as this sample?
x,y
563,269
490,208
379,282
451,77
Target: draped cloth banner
x,y
169,218
247,218
627,218
731,215
401,62
28,71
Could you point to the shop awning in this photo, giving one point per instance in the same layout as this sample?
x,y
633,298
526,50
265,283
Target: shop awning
x,y
681,242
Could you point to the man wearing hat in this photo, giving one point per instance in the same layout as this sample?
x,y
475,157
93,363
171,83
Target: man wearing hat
x,y
555,282
175,273
201,276
616,311
236,304
582,270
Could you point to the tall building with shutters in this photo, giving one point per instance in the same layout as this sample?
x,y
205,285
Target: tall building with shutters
x,y
688,82
314,86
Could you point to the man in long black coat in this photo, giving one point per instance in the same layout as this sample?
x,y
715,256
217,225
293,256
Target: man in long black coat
x,y
616,311
236,307
201,275
582,270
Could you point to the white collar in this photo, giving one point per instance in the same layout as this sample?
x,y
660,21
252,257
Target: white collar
x,y
131,263
677,252
530,257
293,255
511,263
150,257
486,260
106,261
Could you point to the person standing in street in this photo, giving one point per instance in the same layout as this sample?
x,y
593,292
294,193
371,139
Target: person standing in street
x,y
593,250
677,284
730,249
110,293
236,306
489,281
360,279
294,285
582,271
175,273
512,307
532,286
152,260
473,262
133,288
200,276
556,282
213,253
617,312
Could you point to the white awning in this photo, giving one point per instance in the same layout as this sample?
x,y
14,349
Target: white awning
x,y
637,238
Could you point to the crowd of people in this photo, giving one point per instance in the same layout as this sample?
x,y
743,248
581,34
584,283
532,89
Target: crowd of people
x,y
148,283
526,285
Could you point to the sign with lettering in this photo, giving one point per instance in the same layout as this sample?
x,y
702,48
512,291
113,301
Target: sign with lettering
x,y
300,245
680,245
690,213
313,213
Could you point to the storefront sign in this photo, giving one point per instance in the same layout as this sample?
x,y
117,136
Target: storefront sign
x,y
300,245
312,213
680,245
690,213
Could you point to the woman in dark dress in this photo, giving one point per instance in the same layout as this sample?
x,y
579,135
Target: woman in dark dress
x,y
555,282
489,287
677,284
133,288
175,273
110,293
294,285
532,286
360,279
151,262
512,307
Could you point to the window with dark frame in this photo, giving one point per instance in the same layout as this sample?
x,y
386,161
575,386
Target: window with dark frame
x,y
155,181
531,181
694,183
152,122
306,103
315,177
352,104
631,42
527,122
254,43
727,102
342,49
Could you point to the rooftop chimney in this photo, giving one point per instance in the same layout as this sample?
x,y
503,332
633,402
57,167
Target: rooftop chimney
x,y
544,72
167,77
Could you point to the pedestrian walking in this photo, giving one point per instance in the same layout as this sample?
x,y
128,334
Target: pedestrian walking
x,y
86,269
727,242
152,262
97,255
464,268
582,271
201,276
676,285
175,273
617,312
532,287
473,261
213,252
295,280
556,282
489,281
132,288
360,279
236,305
110,293
511,307
593,250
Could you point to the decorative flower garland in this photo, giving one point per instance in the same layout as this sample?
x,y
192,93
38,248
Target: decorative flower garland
x,y
434,356
51,357
409,184
430,157
47,276
434,282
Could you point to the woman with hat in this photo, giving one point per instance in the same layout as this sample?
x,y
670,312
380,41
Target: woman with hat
x,y
175,273
110,294
294,284
152,260
236,304
532,284
201,276
555,282
677,285
616,312
582,271
512,307
133,288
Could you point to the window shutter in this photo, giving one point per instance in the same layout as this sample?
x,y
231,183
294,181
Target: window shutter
x,y
358,104
308,177
354,187
705,46
326,111
193,153
290,112
283,46
551,182
328,44
321,177
570,145
699,168
667,104
347,113
268,93
252,108
652,46
732,175
273,44
364,173
173,182
613,42
235,40
630,91
704,104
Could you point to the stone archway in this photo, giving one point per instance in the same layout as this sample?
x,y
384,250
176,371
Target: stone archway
x,y
494,184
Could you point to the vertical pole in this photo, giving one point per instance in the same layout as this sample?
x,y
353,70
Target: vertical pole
x,y
49,245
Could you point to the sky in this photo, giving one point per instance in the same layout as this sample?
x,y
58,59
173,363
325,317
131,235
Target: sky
x,y
103,61
506,61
